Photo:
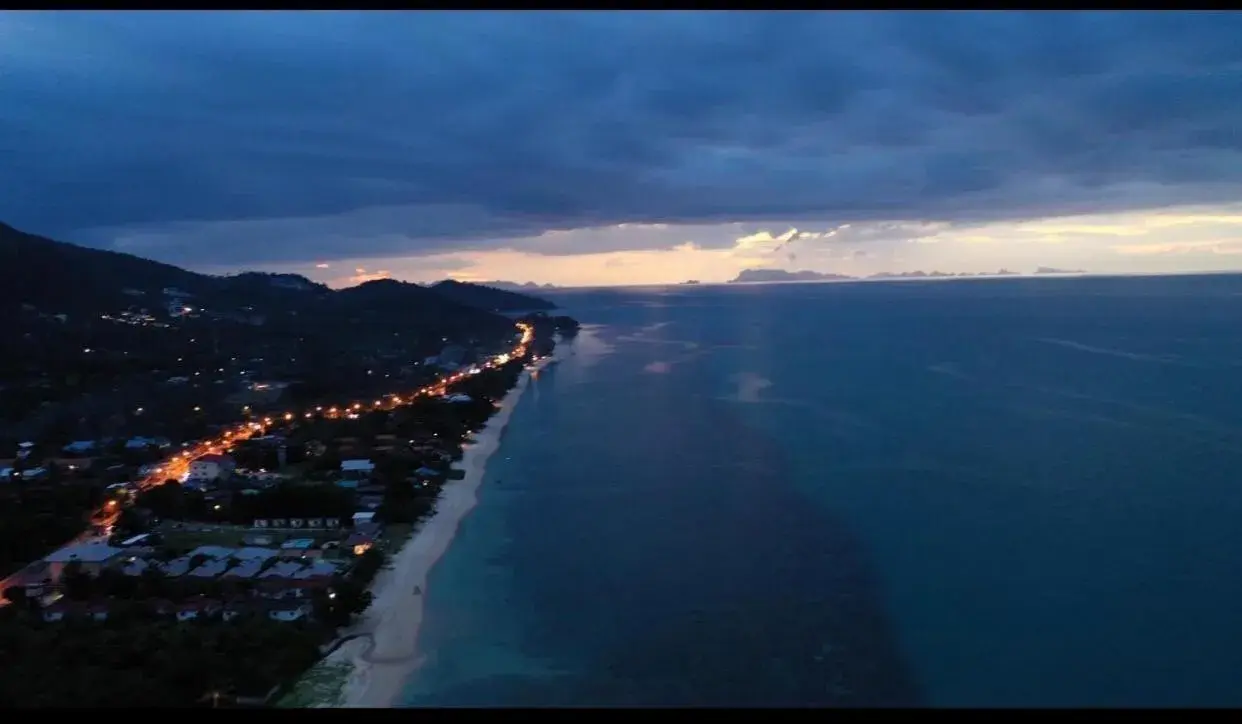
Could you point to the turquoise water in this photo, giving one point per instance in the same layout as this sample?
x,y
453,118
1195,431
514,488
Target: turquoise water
x,y
1011,492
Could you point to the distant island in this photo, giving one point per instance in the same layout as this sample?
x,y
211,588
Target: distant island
x,y
761,276
750,276
514,286
691,281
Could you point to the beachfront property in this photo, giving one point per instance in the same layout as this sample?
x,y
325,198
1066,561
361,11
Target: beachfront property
x,y
280,592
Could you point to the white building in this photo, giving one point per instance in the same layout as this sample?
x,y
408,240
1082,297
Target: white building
x,y
92,556
210,467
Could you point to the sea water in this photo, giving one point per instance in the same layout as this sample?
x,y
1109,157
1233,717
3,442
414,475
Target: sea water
x,y
985,492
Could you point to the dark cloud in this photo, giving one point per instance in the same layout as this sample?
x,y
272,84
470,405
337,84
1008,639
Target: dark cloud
x,y
256,137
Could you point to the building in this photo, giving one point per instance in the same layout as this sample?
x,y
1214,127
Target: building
x,y
357,469
210,467
92,556
299,548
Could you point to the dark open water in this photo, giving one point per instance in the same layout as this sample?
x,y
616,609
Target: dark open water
x,y
1009,492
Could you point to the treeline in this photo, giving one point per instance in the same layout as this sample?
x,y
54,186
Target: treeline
x,y
139,661
173,501
36,519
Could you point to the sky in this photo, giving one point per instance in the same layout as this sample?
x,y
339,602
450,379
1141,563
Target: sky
x,y
599,148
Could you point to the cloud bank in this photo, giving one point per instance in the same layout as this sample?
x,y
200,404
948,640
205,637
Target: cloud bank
x,y
261,137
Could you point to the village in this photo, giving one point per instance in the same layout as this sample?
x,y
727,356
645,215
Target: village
x,y
283,517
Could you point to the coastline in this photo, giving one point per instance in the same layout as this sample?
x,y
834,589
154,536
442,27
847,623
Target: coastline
x,y
385,654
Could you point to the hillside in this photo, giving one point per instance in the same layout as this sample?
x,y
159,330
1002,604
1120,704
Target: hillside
x,y
56,278
490,298
54,275
94,338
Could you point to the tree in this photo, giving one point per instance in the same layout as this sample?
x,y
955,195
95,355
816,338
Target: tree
x,y
337,606
16,595
76,582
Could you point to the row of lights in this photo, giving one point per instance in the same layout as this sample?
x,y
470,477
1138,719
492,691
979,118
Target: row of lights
x,y
245,432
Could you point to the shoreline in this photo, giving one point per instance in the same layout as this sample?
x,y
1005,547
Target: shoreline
x,y
385,653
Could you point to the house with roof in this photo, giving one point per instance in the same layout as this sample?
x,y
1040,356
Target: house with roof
x,y
134,567
317,571
357,469
369,527
92,556
244,570
299,548
281,569
177,567
80,447
211,569
213,552
210,467
31,473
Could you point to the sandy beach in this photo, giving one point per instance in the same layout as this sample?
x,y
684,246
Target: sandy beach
x,y
385,652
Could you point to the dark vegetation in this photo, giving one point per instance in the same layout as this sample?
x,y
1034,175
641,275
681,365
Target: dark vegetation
x,y
93,336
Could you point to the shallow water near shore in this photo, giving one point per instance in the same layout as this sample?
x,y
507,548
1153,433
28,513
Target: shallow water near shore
x,y
1013,492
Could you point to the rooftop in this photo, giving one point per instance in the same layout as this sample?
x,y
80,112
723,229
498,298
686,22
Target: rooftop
x,y
284,569
318,569
177,567
247,569
210,569
85,552
297,544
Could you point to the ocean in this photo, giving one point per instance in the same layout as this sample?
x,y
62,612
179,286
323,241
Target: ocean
x,y
1011,492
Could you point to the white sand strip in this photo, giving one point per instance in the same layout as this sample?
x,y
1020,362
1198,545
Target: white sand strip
x,y
384,660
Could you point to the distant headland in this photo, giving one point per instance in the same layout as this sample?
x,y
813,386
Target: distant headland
x,y
759,276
